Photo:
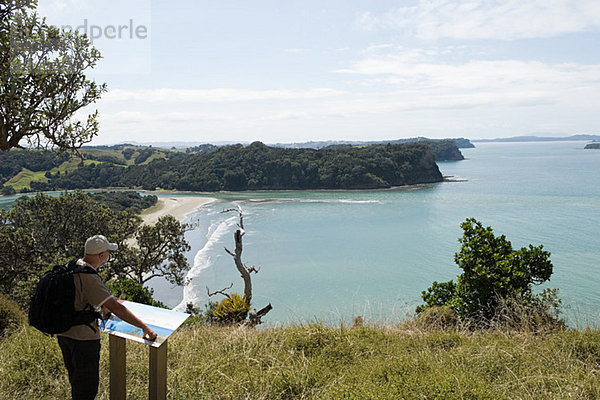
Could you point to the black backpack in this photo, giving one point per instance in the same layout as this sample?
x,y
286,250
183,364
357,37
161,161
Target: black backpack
x,y
52,307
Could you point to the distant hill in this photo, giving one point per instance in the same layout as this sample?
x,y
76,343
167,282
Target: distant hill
x,y
208,167
445,150
539,139
593,146
461,143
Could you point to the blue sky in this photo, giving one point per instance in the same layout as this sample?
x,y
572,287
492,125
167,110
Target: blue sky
x,y
289,71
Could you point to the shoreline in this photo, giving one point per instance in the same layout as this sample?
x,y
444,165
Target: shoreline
x,y
177,206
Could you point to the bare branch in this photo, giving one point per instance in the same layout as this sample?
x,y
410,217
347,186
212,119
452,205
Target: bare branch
x,y
222,291
252,268
239,211
254,317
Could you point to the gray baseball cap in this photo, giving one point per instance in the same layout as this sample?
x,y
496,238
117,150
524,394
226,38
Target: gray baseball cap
x,y
98,244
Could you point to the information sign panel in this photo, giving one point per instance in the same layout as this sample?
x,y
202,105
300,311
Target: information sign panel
x,y
163,321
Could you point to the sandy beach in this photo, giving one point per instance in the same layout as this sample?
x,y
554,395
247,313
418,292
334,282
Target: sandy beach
x,y
177,206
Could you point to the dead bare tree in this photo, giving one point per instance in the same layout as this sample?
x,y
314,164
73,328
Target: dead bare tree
x,y
254,316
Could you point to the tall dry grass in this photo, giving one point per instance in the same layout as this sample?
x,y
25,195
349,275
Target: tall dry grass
x,y
312,361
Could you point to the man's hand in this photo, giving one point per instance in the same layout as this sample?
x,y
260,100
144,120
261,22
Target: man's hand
x,y
149,334
122,312
106,313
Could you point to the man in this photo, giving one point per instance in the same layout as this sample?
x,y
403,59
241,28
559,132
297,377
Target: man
x,y
80,345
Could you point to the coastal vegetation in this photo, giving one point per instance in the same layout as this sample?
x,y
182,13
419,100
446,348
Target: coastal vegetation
x,y
495,280
485,336
125,200
235,168
41,231
437,354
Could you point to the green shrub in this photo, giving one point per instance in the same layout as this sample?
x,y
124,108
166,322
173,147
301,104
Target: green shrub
x,y
232,310
496,282
128,289
11,316
437,295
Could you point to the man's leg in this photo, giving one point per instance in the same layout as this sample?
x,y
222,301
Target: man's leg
x,y
82,360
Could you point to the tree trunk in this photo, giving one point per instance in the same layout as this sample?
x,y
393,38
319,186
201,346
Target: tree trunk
x,y
237,257
3,135
254,316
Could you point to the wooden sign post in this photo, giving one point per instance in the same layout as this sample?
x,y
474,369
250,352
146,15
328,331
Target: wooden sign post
x,y
117,352
157,389
164,322
157,370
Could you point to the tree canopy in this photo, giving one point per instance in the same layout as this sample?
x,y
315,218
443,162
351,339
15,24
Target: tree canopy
x,y
257,167
493,274
42,81
41,231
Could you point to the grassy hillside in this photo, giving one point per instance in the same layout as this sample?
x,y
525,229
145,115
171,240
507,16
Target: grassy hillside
x,y
128,154
20,168
317,362
24,178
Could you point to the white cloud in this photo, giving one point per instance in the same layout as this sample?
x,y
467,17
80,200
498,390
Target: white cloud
x,y
287,115
484,19
216,95
135,117
413,71
295,51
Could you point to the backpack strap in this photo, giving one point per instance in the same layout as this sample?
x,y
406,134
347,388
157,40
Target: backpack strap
x,y
88,314
80,269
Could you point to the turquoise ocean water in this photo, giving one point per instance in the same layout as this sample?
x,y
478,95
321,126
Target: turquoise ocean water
x,y
330,255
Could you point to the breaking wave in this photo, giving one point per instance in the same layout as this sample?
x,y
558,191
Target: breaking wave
x,y
195,292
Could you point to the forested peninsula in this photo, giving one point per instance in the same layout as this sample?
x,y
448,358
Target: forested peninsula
x,y
229,168
461,143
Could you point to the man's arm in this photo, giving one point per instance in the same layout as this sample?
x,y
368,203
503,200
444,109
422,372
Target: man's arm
x,y
123,312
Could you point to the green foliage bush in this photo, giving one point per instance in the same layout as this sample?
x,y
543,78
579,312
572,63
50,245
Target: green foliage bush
x,y
11,316
495,279
125,200
438,295
231,310
128,289
42,231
